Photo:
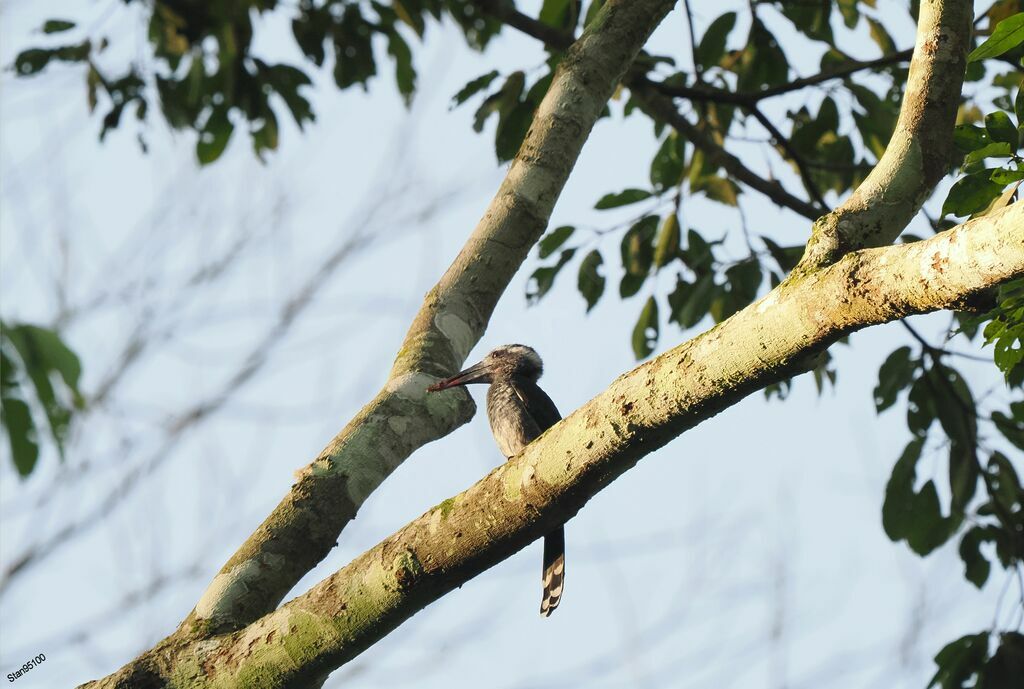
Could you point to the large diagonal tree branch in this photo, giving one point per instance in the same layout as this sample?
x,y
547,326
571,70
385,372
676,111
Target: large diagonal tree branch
x,y
305,525
523,499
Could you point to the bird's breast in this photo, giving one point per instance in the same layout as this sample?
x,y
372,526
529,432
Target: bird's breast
x,y
512,426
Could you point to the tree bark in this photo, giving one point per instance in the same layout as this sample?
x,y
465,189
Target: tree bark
x,y
523,499
235,637
304,527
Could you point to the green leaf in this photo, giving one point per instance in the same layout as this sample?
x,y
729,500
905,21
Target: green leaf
x,y
637,247
971,194
881,37
405,73
959,660
976,567
1008,34
719,189
895,375
1007,489
915,515
667,247
970,137
897,509
1003,177
762,63
623,198
668,163
543,279
697,302
645,332
1012,428
589,281
34,60
558,13
474,87
712,45
1006,666
552,241
744,279
354,62
512,129
1018,104
57,25
993,150
16,419
214,137
1000,128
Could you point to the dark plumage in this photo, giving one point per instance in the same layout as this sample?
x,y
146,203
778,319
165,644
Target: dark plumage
x,y
519,411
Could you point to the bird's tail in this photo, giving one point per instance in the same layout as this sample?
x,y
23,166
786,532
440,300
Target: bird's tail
x,y
554,570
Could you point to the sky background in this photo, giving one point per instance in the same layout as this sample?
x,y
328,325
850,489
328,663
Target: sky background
x,y
748,552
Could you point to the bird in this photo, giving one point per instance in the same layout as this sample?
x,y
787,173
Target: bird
x,y
519,411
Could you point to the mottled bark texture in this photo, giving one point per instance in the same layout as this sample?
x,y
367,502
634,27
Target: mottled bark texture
x,y
236,638
306,524
558,473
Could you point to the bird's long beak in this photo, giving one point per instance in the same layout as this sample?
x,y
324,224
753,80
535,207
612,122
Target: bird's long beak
x,y
477,373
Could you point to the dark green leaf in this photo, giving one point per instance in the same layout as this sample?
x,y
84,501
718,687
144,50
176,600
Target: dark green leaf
x,y
512,129
894,376
1012,428
1018,105
712,45
1007,486
589,281
1008,34
969,137
645,332
558,13
971,194
668,163
976,567
638,246
630,284
1000,128
897,509
543,279
1003,177
959,660
474,87
718,189
667,247
16,419
623,198
57,25
697,303
921,407
698,255
1006,666
881,37
744,279
994,150
405,74
552,241
214,137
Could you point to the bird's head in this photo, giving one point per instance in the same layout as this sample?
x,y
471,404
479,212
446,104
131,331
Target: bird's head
x,y
503,363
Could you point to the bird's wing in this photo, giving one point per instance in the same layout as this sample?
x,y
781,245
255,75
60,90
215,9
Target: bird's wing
x,y
538,405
